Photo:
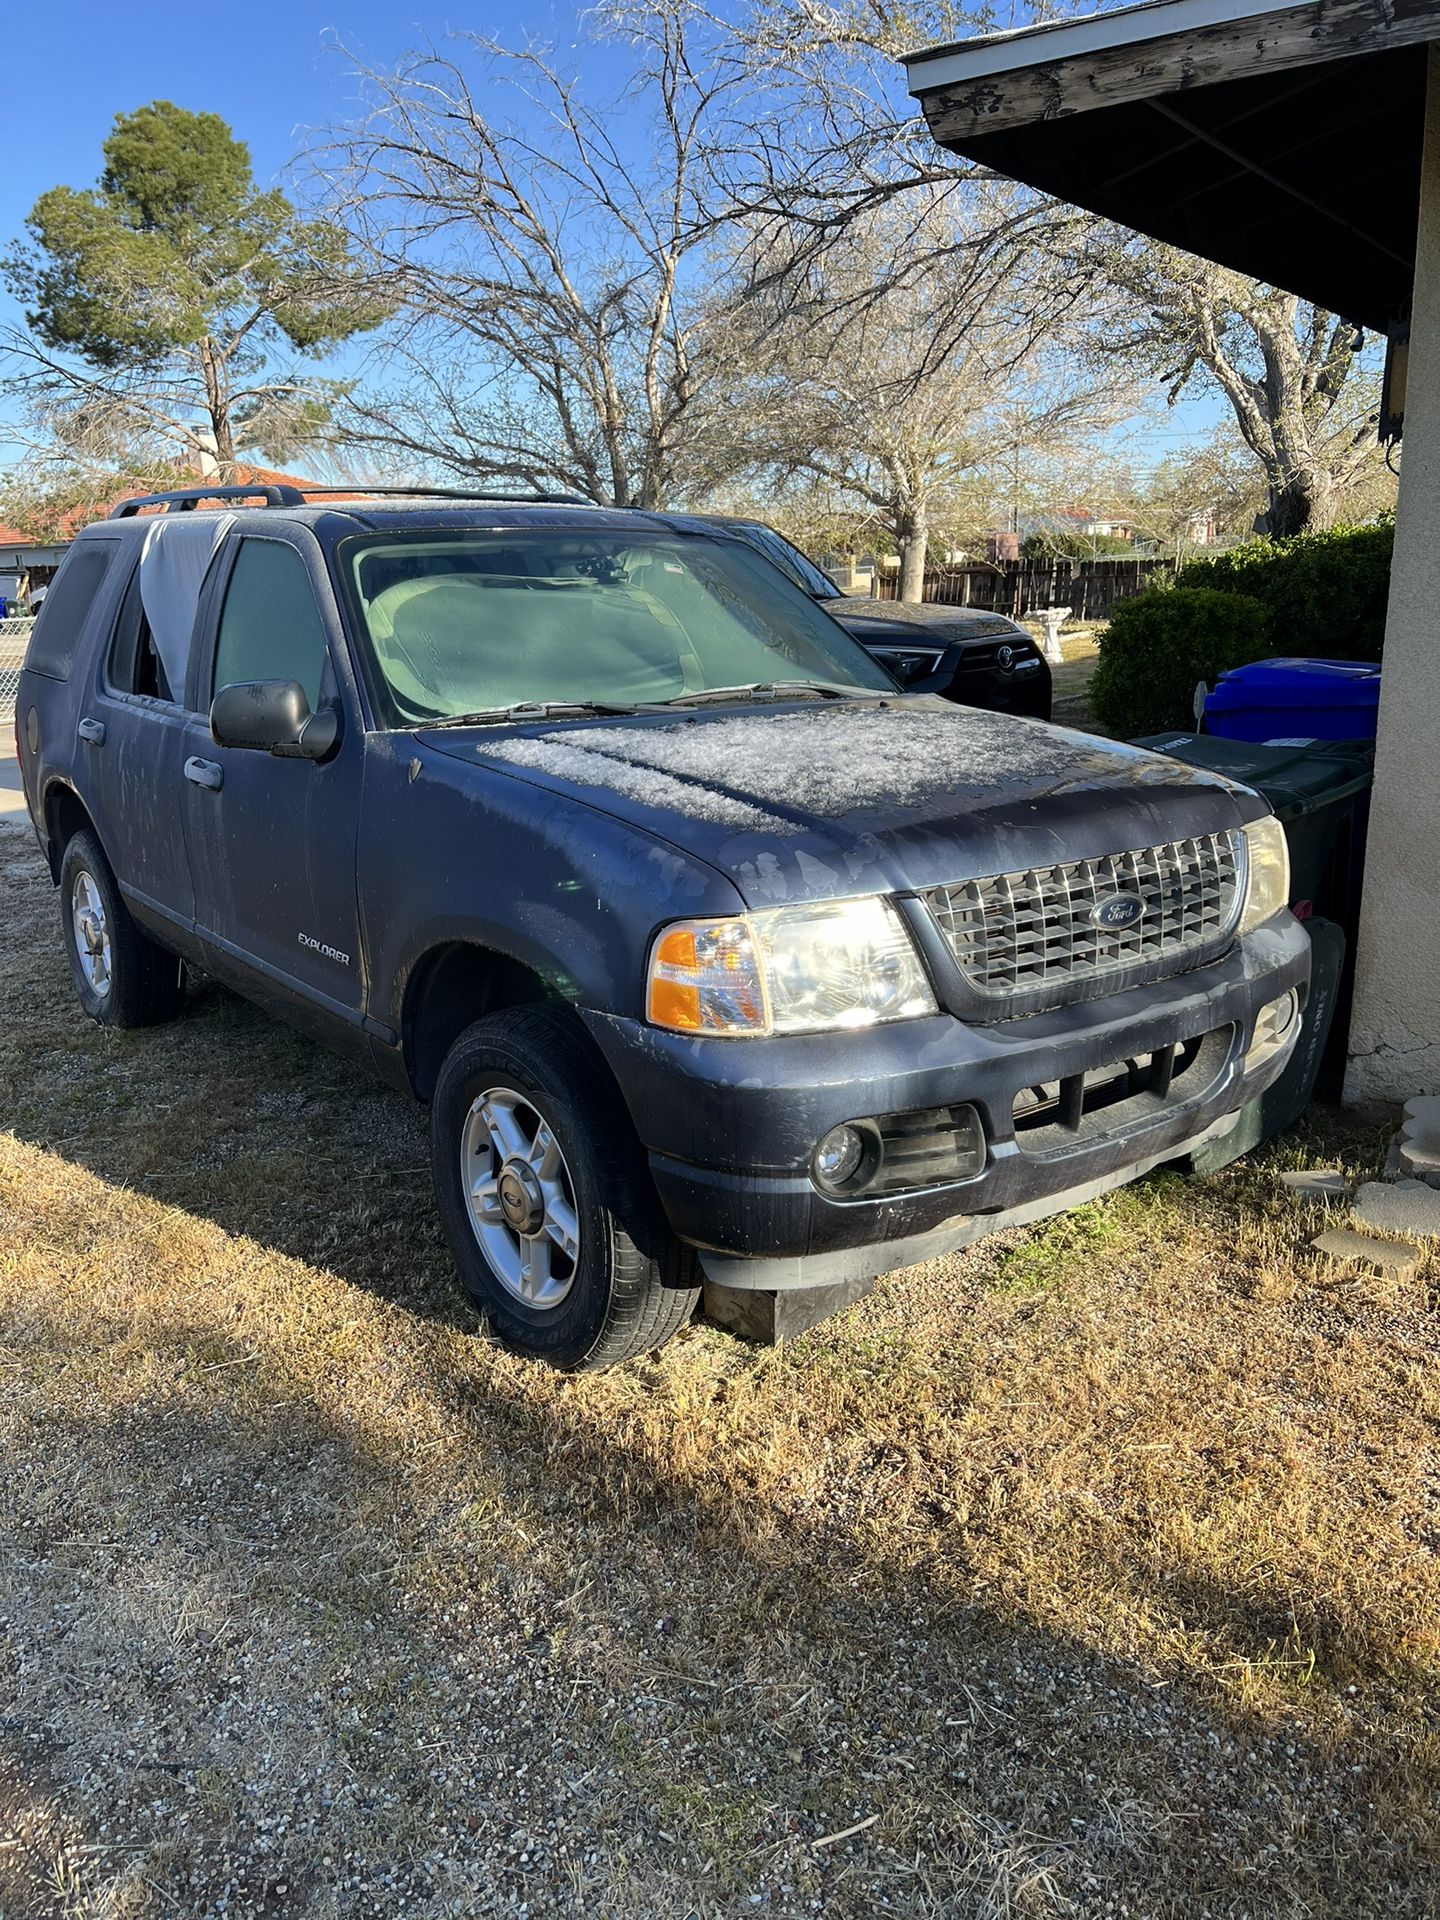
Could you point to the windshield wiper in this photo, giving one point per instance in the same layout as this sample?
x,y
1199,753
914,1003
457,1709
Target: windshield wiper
x,y
535,710
522,710
778,690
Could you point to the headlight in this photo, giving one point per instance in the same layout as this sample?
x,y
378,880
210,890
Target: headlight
x,y
801,969
1267,872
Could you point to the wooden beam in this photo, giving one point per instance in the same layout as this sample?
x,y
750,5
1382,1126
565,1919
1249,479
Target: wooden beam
x,y
1178,63
1287,187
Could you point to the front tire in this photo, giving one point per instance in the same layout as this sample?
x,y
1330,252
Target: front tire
x,y
545,1198
122,978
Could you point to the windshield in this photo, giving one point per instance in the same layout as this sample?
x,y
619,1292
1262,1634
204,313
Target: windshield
x,y
787,557
475,623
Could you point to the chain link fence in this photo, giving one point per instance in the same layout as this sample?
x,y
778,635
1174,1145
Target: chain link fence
x,y
14,639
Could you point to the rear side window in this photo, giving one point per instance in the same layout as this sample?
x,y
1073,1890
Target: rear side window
x,y
62,618
135,665
270,627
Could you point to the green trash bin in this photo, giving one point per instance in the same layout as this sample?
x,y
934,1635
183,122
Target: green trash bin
x,y
1283,1105
1320,792
1317,789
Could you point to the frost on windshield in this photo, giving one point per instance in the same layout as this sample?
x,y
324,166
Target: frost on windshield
x,y
776,772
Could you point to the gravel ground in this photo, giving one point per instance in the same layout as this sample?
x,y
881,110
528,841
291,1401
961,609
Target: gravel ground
x,y
1092,1573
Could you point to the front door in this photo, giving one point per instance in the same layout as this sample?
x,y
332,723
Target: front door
x,y
272,841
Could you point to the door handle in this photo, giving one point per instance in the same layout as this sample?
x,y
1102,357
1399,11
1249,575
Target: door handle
x,y
204,773
92,732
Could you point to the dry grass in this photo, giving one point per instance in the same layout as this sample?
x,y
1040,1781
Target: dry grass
x,y
1072,681
1091,1573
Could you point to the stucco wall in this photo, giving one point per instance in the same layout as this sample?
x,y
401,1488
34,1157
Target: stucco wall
x,y
1395,1031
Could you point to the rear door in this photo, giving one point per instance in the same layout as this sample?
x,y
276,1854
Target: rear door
x,y
272,841
131,735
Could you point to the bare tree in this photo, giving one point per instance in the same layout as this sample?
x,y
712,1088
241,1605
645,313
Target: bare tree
x,y
550,332
1208,492
848,385
1304,396
829,141
1298,381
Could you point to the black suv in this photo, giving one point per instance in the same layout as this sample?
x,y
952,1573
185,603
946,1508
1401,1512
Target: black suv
x,y
961,653
713,953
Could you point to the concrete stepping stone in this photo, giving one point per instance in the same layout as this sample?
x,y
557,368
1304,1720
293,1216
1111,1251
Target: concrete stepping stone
x,y
1418,1148
1386,1256
1317,1183
1409,1206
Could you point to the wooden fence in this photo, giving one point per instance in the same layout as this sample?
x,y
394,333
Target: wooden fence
x,y
1089,588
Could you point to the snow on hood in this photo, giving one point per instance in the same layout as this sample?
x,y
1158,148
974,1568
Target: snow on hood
x,y
625,762
776,772
825,801
784,770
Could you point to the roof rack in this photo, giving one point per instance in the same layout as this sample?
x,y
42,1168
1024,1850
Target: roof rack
x,y
283,494
538,498
188,498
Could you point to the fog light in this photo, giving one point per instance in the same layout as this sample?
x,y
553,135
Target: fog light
x,y
1276,1026
838,1156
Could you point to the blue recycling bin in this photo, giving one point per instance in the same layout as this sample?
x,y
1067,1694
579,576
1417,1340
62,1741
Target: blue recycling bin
x,y
1291,700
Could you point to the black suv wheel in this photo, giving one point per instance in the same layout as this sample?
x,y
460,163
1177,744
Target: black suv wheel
x,y
545,1199
122,977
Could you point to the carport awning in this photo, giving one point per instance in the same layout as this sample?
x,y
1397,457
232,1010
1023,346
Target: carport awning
x,y
1282,140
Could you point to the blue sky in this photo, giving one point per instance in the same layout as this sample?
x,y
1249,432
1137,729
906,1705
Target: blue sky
x,y
271,70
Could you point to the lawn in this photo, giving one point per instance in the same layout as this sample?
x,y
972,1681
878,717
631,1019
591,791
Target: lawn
x,y
1071,683
1093,1572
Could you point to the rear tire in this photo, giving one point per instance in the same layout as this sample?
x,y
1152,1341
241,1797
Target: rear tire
x,y
122,977
546,1200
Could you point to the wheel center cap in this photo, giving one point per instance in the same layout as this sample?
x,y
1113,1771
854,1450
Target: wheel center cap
x,y
521,1200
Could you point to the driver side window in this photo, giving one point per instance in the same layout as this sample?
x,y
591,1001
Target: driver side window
x,y
270,626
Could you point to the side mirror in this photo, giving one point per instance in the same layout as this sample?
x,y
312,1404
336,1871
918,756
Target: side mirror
x,y
273,716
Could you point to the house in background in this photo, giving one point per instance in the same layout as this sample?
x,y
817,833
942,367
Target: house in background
x,y
1297,141
25,565
1200,530
1075,523
23,558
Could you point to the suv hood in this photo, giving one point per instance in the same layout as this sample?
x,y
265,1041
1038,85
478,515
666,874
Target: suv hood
x,y
809,801
894,620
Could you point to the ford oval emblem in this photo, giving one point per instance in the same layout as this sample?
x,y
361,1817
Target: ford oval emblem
x,y
1117,911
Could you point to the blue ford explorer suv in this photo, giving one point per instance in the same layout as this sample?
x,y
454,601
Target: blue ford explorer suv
x,y
716,956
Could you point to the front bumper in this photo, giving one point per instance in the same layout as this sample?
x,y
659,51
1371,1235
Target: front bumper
x,y
730,1125
1024,689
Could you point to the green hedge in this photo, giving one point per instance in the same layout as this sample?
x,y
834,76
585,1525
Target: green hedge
x,y
1161,643
1317,594
1325,593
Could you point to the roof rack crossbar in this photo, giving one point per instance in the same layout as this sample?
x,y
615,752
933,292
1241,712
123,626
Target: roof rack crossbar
x,y
186,499
284,494
537,498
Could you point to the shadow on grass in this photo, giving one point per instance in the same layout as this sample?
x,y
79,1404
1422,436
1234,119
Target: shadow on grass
x,y
255,1554
232,1599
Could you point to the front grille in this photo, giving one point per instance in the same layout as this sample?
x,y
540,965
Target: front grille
x,y
1031,939
982,654
1102,1103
